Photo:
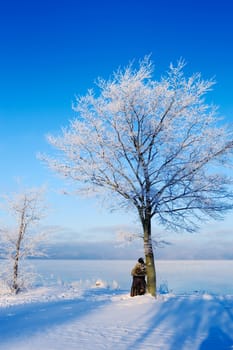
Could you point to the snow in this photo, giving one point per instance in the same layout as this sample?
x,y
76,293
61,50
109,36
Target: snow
x,y
84,317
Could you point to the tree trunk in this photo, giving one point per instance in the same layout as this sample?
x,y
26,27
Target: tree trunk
x,y
15,286
148,249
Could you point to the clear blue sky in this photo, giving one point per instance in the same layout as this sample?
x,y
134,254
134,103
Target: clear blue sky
x,y
52,50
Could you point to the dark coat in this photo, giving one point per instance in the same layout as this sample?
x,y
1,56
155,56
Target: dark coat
x,y
139,283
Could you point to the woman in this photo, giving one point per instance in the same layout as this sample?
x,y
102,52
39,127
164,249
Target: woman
x,y
139,283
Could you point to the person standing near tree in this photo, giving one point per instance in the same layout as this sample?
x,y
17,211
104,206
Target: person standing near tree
x,y
151,145
139,283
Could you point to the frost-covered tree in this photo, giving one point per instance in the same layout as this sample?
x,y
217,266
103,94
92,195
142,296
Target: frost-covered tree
x,y
23,237
152,145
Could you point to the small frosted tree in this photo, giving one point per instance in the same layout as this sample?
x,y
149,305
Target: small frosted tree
x,y
153,145
23,238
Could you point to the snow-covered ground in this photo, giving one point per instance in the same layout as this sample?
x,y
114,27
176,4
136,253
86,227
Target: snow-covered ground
x,y
98,317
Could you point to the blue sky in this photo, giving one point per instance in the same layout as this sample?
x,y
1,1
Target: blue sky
x,y
53,50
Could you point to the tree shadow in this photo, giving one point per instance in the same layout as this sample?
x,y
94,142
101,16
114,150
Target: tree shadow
x,y
183,323
27,319
217,340
170,315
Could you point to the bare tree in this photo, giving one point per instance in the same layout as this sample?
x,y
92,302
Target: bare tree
x,y
155,144
25,237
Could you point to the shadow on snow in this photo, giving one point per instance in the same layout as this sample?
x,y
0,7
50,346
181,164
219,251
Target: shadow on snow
x,y
210,327
182,323
27,319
